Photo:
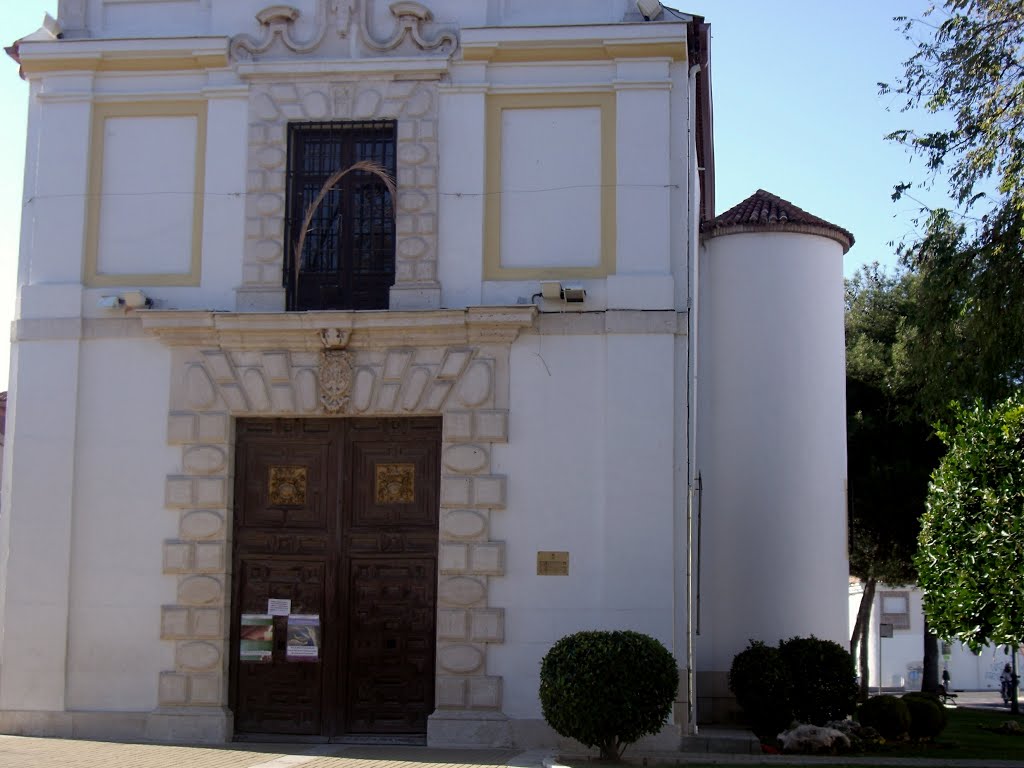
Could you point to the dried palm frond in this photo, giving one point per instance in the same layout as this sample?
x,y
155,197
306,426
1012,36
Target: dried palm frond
x,y
366,166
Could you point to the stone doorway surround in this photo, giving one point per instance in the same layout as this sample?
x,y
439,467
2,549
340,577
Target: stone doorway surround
x,y
448,363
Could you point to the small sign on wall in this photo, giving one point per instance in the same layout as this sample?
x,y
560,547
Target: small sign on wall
x,y
552,563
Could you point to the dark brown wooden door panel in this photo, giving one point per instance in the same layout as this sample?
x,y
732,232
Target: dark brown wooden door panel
x,y
390,675
280,696
340,517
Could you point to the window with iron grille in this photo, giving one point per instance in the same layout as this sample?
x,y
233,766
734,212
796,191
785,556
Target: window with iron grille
x,y
348,258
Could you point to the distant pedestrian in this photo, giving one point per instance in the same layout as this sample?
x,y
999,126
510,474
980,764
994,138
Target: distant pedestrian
x,y
1006,684
945,679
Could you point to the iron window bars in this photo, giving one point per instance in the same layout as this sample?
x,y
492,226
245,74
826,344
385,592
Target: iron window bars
x,y
348,258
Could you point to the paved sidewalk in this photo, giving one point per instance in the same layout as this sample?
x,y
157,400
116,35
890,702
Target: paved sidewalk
x,y
26,752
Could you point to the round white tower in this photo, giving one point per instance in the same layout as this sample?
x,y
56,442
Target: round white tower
x,y
771,434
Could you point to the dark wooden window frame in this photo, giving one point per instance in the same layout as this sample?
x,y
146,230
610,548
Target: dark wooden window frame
x,y
348,259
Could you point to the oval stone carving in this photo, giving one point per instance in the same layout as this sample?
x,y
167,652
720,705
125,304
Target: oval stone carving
x,y
199,590
271,158
412,154
265,107
411,200
464,524
412,247
204,460
475,385
198,656
268,251
305,390
465,459
315,104
362,390
461,590
420,103
270,205
367,104
199,391
256,389
460,658
413,389
201,525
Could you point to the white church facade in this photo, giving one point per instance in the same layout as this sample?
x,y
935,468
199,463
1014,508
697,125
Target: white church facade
x,y
359,487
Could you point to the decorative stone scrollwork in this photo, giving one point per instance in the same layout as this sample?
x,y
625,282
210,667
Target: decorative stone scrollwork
x,y
410,17
277,21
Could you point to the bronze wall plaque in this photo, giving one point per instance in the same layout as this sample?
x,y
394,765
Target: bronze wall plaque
x,y
395,483
552,563
288,485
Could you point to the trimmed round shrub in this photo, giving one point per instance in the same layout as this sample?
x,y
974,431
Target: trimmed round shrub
x,y
886,714
927,715
822,679
759,681
607,689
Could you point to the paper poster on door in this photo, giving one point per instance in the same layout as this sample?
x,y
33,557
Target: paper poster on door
x,y
279,606
303,639
256,638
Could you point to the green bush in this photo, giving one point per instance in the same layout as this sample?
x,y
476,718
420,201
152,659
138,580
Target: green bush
x,y
886,714
759,681
607,689
927,715
804,679
823,681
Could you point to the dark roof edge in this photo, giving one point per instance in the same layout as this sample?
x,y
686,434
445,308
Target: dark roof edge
x,y
832,233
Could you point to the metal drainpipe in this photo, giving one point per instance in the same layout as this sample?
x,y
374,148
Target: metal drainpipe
x,y
691,393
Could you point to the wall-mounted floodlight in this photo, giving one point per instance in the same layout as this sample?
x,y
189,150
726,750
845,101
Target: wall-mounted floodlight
x,y
136,300
649,9
128,300
553,290
573,294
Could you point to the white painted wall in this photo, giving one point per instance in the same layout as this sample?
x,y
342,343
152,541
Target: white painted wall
x,y
119,524
589,462
773,442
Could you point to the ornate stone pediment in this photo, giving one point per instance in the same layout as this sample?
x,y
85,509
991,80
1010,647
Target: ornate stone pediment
x,y
413,31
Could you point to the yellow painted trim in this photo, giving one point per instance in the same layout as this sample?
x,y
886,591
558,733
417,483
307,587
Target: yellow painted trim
x,y
100,113
583,50
496,104
124,63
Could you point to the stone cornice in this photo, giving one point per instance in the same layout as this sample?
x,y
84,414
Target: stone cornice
x,y
300,331
125,55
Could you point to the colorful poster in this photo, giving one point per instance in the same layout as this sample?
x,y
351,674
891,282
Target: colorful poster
x,y
303,639
257,638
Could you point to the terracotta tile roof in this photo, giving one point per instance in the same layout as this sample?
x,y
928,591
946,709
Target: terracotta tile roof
x,y
763,211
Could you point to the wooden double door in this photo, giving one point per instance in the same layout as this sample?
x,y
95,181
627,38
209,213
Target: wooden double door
x,y
334,576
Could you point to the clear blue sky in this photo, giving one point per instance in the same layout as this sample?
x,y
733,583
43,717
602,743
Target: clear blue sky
x,y
796,113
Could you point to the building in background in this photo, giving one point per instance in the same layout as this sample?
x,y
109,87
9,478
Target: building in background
x,y
902,655
296,452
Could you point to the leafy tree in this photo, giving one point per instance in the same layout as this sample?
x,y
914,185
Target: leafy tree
x,y
891,451
968,69
971,557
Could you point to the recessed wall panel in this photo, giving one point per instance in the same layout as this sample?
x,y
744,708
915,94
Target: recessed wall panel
x,y
551,187
148,195
146,185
